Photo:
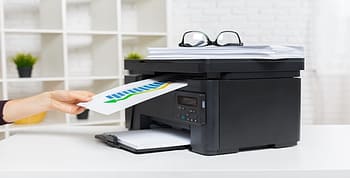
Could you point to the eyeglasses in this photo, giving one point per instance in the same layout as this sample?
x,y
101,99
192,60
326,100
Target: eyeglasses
x,y
200,39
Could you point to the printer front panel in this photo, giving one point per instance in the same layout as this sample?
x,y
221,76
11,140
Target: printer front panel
x,y
198,101
181,108
190,107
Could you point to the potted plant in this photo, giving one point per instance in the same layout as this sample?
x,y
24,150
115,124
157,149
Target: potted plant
x,y
134,55
24,63
84,115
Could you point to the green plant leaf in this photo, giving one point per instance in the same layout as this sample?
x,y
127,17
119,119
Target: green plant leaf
x,y
134,55
24,60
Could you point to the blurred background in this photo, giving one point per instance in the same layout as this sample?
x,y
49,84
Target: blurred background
x,y
321,26
81,44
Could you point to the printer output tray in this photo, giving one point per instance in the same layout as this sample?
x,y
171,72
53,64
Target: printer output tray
x,y
148,140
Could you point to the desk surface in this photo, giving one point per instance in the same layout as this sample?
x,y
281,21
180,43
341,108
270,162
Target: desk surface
x,y
324,151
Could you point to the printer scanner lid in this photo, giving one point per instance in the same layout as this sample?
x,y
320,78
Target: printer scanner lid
x,y
214,65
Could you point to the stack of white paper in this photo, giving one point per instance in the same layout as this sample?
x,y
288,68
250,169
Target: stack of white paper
x,y
153,138
230,52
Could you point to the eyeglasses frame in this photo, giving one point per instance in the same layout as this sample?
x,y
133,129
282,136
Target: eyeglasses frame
x,y
182,43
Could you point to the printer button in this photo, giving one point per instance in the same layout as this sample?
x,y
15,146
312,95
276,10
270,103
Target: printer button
x,y
181,108
192,111
183,117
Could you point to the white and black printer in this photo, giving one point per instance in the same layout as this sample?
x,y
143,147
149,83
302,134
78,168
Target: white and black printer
x,y
228,105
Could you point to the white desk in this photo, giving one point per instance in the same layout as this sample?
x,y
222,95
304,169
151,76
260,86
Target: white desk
x,y
323,152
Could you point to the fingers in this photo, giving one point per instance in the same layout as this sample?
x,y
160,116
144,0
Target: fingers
x,y
80,96
65,101
72,96
80,110
67,107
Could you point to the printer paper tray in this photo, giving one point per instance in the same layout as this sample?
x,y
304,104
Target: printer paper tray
x,y
148,140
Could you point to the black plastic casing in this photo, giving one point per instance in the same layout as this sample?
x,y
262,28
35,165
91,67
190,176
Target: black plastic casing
x,y
242,104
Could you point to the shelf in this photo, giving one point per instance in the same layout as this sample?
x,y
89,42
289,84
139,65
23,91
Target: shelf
x,y
1,92
14,127
80,45
144,16
49,125
150,34
93,55
91,32
35,31
32,14
2,130
140,44
71,129
40,79
48,48
2,47
83,32
52,119
96,78
72,32
91,15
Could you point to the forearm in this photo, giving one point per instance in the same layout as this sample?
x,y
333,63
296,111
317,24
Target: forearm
x,y
20,108
60,100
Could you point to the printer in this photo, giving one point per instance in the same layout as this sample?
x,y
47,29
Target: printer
x,y
229,105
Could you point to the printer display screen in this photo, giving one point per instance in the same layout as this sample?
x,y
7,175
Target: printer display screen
x,y
188,101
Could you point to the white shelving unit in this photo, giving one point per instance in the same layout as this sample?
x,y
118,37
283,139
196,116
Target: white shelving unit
x,y
81,45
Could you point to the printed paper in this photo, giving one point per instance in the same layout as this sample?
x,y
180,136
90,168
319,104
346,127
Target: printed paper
x,y
125,96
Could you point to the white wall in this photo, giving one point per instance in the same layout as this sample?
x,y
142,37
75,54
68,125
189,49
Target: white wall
x,y
257,21
330,59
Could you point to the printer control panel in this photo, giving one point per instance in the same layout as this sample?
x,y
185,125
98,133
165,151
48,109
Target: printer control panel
x,y
191,107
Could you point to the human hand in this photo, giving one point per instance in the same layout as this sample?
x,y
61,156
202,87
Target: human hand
x,y
60,100
66,101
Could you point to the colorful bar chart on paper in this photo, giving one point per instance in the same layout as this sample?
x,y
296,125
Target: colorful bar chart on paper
x,y
125,96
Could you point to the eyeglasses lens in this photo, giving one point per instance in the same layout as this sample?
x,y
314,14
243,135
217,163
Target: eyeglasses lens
x,y
227,39
195,39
